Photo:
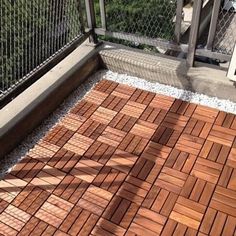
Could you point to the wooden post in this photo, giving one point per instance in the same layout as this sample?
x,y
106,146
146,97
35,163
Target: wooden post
x,y
91,19
179,9
197,9
213,25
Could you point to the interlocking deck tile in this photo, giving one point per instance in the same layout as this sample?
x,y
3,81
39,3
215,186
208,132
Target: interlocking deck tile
x,y
134,144
111,136
162,102
72,122
91,129
205,114
224,200
95,200
171,180
115,103
188,212
124,161
78,144
156,152
190,144
181,161
153,115
231,160
86,169
120,211
144,129
103,115
147,222
84,109
207,170
166,136
215,152
133,109
123,91
96,97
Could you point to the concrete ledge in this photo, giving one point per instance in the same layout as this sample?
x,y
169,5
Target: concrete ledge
x,y
27,110
204,78
153,67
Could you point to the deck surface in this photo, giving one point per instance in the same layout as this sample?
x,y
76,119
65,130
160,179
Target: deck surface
x,y
126,162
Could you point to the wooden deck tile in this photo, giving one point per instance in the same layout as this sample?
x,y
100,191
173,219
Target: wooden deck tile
x,y
207,170
84,109
156,152
134,144
224,200
115,103
111,136
190,144
103,115
133,109
91,129
205,114
78,144
162,102
153,115
144,129
188,212
123,122
147,222
95,200
166,136
72,122
96,97
123,91
124,161
171,180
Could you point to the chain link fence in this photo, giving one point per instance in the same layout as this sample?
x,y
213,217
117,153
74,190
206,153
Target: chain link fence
x,y
137,20
153,19
32,33
225,36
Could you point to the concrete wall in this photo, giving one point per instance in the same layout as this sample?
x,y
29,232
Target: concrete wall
x,y
26,111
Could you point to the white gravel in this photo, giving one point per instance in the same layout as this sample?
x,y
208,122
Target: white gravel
x,y
28,143
223,105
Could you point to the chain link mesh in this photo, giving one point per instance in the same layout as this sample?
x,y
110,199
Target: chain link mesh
x,y
152,19
31,32
225,37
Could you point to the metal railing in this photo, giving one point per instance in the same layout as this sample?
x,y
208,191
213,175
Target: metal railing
x,y
36,34
33,34
155,23
222,34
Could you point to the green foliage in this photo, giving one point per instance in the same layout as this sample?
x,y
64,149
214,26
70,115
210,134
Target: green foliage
x,y
31,31
152,18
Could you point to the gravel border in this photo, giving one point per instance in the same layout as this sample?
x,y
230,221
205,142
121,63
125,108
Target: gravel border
x,y
8,162
188,96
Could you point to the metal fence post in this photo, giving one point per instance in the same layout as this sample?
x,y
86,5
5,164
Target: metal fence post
x,y
103,14
179,9
91,19
213,25
197,9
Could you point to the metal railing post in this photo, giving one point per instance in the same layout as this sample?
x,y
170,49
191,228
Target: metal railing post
x,y
91,19
213,25
197,9
103,14
179,9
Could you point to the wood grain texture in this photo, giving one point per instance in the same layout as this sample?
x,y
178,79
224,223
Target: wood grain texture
x,y
124,161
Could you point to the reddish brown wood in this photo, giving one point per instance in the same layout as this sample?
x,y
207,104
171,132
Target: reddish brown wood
x,y
129,162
